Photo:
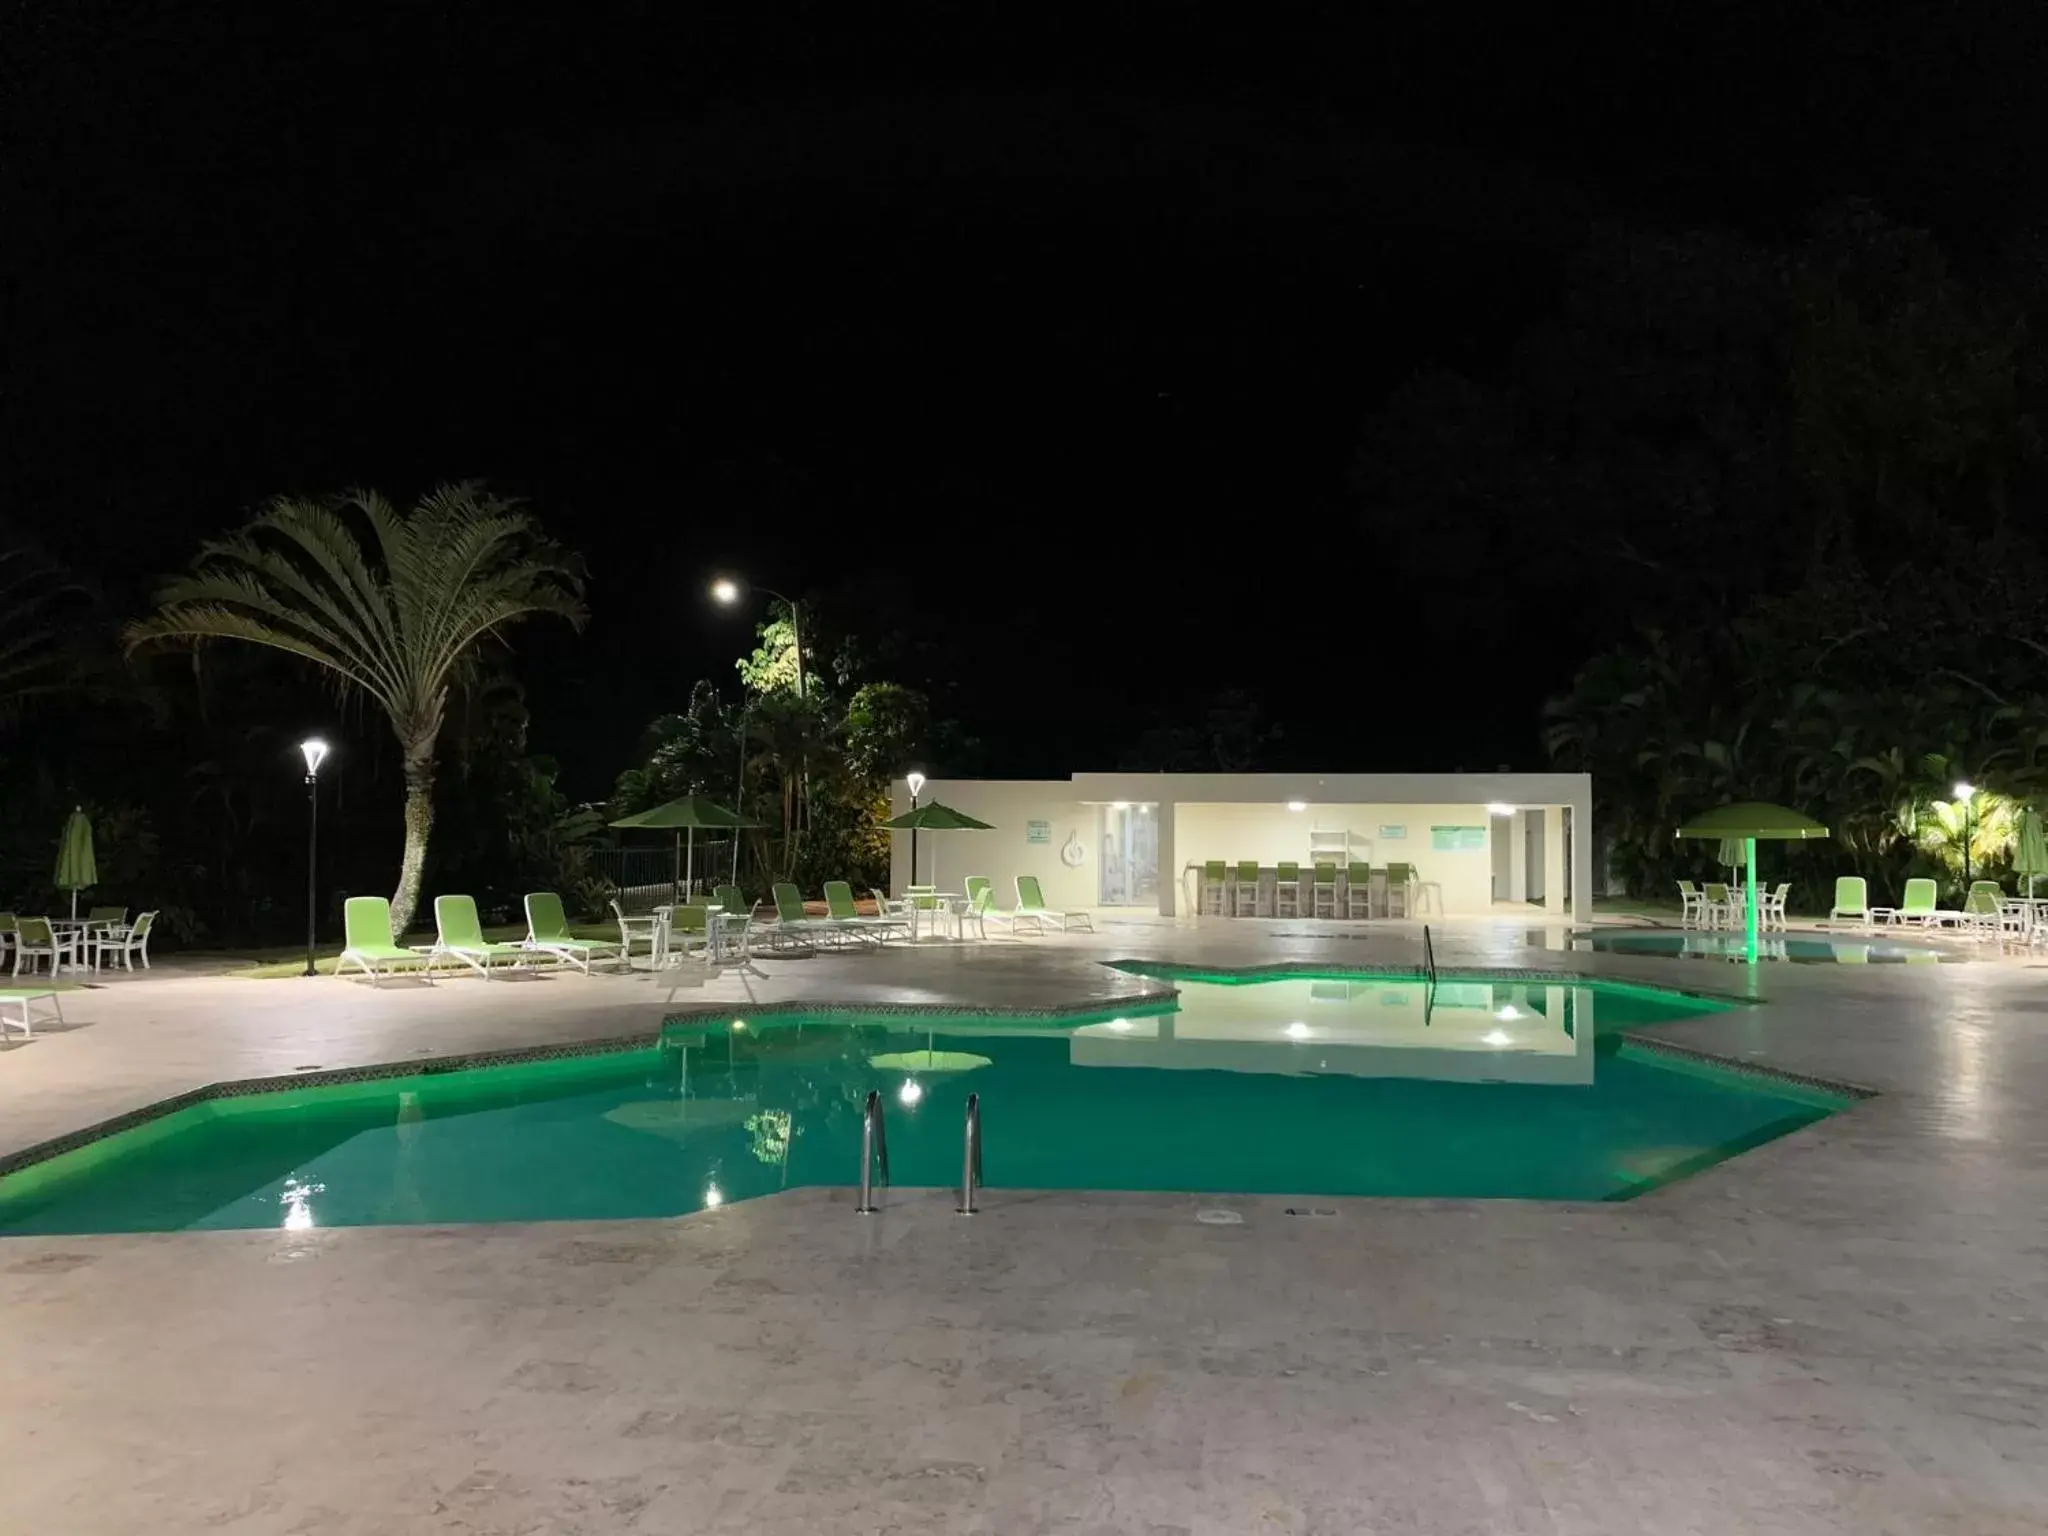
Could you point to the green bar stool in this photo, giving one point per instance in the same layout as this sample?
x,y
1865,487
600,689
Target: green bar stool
x,y
1287,888
1400,878
1247,888
1326,889
1358,890
1213,873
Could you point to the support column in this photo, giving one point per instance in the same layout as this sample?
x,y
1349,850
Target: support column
x,y
1518,856
1582,864
1169,863
1553,862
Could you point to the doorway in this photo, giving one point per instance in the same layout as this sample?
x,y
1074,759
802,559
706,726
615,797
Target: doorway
x,y
1130,855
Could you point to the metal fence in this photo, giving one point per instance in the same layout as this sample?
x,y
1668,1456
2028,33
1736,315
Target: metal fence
x,y
646,878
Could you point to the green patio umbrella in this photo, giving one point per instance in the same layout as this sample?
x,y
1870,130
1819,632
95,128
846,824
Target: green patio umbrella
x,y
683,817
75,867
2030,848
934,817
1749,820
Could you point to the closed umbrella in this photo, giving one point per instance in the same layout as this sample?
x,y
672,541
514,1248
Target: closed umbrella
x,y
75,866
2030,851
1749,820
684,816
934,817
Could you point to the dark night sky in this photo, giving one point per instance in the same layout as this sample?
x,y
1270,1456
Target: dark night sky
x,y
1000,322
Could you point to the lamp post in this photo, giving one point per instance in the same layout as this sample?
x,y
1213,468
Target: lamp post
x,y
916,782
315,751
1966,792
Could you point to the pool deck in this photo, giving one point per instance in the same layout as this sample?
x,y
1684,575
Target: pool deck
x,y
1843,1331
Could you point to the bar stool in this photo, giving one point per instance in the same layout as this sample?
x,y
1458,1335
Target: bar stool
x,y
1212,886
1358,889
1326,889
1399,877
1287,888
1247,888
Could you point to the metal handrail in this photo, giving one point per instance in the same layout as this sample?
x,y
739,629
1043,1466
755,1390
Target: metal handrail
x,y
970,1166
1428,956
874,1148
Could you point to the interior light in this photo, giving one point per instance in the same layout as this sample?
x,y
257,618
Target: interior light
x,y
1499,808
1507,1014
1297,1030
1496,1037
1965,789
1297,805
911,1092
714,1197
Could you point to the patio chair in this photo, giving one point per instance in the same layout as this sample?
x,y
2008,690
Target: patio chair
x,y
547,932
1771,906
840,908
22,1004
637,930
459,934
1031,908
35,940
1692,904
367,942
1852,900
125,940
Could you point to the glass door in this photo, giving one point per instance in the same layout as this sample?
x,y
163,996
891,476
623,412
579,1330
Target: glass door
x,y
1129,867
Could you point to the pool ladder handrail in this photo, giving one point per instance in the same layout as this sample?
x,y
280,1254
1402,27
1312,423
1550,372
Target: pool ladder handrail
x,y
874,1149
970,1166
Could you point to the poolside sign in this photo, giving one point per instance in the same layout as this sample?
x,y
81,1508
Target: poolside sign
x,y
1457,839
1037,831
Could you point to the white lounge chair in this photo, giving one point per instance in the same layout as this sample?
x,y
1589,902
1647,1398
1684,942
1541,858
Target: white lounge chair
x,y
16,1010
366,927
1031,908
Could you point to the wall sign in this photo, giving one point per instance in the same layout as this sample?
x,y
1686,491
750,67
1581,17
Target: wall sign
x,y
1037,831
1393,834
1457,839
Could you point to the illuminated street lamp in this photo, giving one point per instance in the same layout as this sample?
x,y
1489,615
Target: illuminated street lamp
x,y
916,782
315,752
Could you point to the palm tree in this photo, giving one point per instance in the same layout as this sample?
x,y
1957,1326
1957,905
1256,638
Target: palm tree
x,y
397,616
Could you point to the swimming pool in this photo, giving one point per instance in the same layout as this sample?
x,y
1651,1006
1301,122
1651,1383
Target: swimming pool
x,y
1327,1085
1800,949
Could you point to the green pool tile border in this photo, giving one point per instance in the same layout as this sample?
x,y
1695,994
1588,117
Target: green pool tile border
x,y
1092,1010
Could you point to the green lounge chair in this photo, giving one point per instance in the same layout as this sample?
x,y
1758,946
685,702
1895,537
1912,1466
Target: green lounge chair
x,y
839,908
1852,902
547,932
23,1002
459,934
792,923
1031,908
366,929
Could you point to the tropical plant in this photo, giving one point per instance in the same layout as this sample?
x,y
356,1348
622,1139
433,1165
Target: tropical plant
x,y
391,605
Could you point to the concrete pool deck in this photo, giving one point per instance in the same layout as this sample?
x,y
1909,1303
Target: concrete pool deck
x,y
1846,1330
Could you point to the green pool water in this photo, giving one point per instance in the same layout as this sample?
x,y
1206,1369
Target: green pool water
x,y
1307,1086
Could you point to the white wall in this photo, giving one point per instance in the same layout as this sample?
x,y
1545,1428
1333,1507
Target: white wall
x,y
1270,833
1008,806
